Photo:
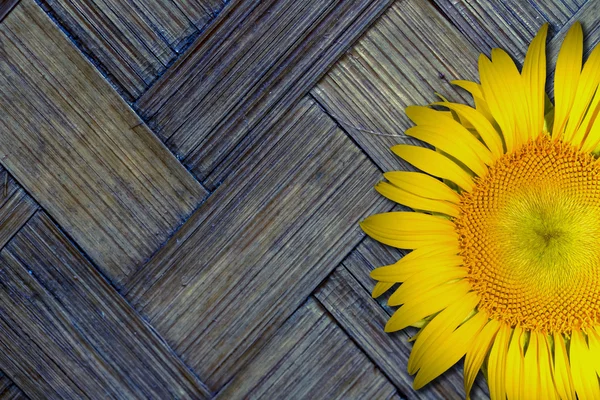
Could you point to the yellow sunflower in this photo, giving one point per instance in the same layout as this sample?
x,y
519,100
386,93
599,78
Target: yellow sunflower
x,y
505,233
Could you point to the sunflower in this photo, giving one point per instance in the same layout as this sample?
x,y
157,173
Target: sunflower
x,y
504,267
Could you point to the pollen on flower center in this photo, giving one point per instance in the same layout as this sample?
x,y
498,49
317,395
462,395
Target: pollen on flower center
x,y
529,234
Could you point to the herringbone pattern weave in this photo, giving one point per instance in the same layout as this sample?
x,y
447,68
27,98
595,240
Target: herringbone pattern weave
x,y
181,182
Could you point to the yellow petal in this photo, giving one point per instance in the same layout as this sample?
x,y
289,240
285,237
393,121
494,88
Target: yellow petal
x,y
514,93
434,257
380,288
457,344
422,185
534,77
454,146
412,222
476,354
589,130
480,104
531,369
481,124
496,96
566,77
437,122
434,164
409,229
586,88
547,389
514,366
583,369
497,364
436,332
423,282
594,345
427,304
562,370
416,202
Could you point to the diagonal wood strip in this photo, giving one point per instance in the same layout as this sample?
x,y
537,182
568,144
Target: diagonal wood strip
x,y
66,333
411,53
81,152
6,6
309,357
259,245
246,72
508,24
133,41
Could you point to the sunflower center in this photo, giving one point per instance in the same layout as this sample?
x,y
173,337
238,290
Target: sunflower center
x,y
530,238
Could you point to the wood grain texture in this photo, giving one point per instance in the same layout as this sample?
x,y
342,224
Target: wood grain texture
x,y
259,245
81,152
201,13
8,390
246,72
132,42
12,393
309,357
6,6
508,24
411,53
363,319
66,333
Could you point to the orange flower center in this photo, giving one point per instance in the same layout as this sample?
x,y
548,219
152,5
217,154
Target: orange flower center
x,y
530,237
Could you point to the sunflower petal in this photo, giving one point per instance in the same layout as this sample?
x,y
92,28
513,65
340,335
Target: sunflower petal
x,y
562,370
435,333
380,288
480,104
432,257
589,130
416,202
514,92
566,77
452,146
429,303
586,88
476,354
480,123
594,344
424,282
531,369
443,357
534,77
515,366
583,369
434,164
497,364
422,185
494,90
409,230
545,367
435,122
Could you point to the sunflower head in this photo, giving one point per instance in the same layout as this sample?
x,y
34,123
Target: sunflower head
x,y
504,267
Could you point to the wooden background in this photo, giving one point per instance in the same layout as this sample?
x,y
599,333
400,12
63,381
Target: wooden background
x,y
181,184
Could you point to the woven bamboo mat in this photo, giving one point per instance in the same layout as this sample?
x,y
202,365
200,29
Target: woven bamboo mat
x,y
181,183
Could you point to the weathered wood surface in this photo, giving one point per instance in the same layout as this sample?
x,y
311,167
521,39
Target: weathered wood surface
x,y
309,357
255,249
6,6
66,333
281,108
81,152
243,75
132,42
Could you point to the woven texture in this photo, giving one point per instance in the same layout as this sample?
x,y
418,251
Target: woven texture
x,y
181,184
